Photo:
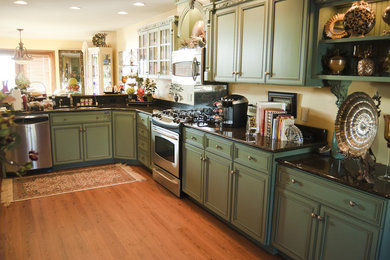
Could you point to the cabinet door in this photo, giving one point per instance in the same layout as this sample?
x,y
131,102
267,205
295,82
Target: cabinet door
x,y
124,137
225,35
343,237
293,225
252,41
249,201
97,141
192,182
287,41
217,184
67,144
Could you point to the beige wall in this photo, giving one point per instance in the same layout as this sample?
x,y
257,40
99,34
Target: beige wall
x,y
322,107
42,44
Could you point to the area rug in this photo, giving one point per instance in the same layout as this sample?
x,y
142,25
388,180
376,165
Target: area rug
x,y
66,181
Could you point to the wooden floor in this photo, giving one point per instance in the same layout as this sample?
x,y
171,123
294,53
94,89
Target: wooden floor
x,y
140,220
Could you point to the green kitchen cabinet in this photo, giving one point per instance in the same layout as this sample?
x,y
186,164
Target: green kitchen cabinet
x,y
217,184
315,218
124,135
143,139
249,201
81,136
192,181
239,42
262,41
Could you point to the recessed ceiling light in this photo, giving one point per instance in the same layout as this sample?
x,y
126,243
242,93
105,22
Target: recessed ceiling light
x,y
139,4
20,2
122,12
75,8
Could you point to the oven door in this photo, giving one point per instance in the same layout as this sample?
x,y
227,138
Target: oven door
x,y
165,149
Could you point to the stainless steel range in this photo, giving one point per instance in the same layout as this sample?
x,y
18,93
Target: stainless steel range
x,y
166,143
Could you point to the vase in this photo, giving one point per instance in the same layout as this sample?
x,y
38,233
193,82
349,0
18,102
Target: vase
x,y
336,153
149,98
386,18
336,64
359,19
176,98
366,67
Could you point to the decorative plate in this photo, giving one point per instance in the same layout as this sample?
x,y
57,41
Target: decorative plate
x,y
359,19
356,124
333,29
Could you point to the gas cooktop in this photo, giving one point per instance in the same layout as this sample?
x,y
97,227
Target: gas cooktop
x,y
200,117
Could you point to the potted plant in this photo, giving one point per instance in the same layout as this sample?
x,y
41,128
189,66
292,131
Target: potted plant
x,y
174,91
150,88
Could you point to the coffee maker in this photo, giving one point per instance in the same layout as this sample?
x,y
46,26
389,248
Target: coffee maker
x,y
234,110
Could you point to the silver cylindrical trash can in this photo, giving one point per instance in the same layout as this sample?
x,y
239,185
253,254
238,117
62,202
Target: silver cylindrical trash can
x,y
34,132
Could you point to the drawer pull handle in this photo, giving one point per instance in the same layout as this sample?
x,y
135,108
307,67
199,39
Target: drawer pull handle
x,y
250,158
319,218
233,172
65,119
352,204
293,181
97,117
313,215
80,129
218,147
193,138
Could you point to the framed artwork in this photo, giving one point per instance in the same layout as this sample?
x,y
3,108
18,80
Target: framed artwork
x,y
289,98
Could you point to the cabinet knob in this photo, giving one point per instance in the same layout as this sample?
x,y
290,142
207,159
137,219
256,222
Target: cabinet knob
x,y
80,129
193,138
319,218
233,73
352,204
97,117
232,172
250,158
85,129
218,146
293,181
65,119
267,73
313,215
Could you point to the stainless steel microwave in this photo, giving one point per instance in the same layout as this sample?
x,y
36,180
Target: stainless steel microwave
x,y
188,66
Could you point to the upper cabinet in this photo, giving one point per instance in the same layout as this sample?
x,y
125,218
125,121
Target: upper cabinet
x,y
361,53
100,69
155,45
261,41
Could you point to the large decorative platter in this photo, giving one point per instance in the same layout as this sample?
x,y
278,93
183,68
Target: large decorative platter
x,y
356,124
359,19
333,29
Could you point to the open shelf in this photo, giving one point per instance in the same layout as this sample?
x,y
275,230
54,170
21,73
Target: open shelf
x,y
355,78
357,39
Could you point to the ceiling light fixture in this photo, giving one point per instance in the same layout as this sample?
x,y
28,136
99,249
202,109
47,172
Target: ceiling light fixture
x,y
139,4
75,8
21,56
122,12
20,2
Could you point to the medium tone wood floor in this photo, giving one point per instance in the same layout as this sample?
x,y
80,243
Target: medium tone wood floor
x,y
140,220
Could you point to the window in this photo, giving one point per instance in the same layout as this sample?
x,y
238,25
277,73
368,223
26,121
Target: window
x,y
40,70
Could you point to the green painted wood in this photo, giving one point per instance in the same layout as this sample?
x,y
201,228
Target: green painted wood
x,y
219,145
357,39
67,144
252,41
194,137
287,42
217,184
253,157
124,135
80,117
144,139
249,201
225,45
97,141
294,229
192,177
342,237
354,78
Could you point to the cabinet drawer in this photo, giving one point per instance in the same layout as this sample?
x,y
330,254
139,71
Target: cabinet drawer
x,y
219,145
143,144
80,117
252,157
143,157
143,132
143,120
346,199
194,137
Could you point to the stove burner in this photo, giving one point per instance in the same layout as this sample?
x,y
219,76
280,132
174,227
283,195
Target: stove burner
x,y
200,117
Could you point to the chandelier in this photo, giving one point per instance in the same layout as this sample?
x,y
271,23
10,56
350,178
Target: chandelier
x,y
21,56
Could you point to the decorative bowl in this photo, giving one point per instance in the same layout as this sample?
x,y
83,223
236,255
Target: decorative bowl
x,y
359,19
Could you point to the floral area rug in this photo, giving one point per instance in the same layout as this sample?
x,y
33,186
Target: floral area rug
x,y
65,181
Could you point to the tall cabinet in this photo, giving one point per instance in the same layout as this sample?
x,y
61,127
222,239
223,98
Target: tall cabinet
x,y
155,44
100,70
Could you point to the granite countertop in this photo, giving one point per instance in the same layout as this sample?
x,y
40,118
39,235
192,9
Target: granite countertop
x,y
341,171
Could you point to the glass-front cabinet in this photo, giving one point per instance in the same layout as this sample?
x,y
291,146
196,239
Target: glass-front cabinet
x,y
155,44
100,69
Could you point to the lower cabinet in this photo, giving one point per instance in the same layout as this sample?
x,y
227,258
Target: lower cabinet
x,y
192,181
124,134
81,142
309,225
144,139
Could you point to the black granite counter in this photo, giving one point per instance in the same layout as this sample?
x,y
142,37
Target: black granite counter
x,y
262,142
341,171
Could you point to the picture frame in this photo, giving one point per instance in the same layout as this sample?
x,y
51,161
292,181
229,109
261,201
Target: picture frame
x,y
289,98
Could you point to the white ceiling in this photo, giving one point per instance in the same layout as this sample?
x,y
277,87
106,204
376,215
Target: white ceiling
x,y
53,19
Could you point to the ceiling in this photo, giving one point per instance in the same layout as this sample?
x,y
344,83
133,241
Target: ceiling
x,y
53,19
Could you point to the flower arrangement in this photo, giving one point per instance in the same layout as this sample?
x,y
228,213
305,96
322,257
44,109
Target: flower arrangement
x,y
140,94
21,81
150,86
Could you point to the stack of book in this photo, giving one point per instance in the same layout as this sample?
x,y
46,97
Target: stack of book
x,y
272,120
